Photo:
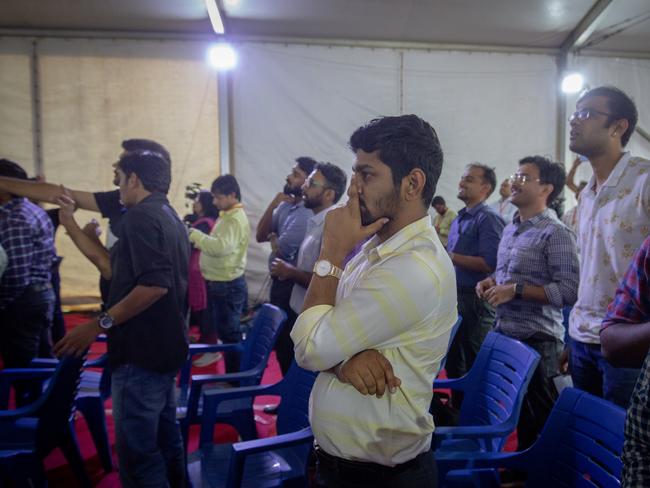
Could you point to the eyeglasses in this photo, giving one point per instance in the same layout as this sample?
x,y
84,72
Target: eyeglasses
x,y
586,113
314,184
522,179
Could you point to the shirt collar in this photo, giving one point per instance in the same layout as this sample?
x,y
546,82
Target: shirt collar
x,y
533,221
375,251
231,210
615,176
319,218
472,211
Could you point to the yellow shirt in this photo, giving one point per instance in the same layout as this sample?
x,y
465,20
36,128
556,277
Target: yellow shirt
x,y
399,298
442,224
223,252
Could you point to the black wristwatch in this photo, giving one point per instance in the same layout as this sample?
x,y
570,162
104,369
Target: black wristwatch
x,y
519,290
105,321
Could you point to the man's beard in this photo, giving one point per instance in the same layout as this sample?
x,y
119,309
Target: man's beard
x,y
312,202
292,191
386,205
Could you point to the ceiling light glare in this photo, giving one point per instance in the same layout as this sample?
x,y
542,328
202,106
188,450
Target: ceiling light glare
x,y
573,83
222,57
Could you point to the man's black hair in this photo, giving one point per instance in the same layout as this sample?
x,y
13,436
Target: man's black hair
x,y
130,145
403,143
225,185
619,105
12,170
438,200
489,176
335,178
306,164
153,170
549,173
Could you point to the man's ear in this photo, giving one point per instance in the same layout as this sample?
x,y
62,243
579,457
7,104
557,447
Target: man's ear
x,y
620,126
414,184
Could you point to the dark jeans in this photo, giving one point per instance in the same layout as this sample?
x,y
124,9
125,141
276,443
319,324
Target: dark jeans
x,y
478,320
226,302
147,436
541,395
284,344
23,324
592,373
334,472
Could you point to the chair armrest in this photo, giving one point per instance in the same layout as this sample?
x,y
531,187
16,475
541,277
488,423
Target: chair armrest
x,y
450,383
9,376
477,478
473,431
44,363
212,397
241,450
203,348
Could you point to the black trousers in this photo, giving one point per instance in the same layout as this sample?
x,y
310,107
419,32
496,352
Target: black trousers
x,y
541,394
23,324
478,320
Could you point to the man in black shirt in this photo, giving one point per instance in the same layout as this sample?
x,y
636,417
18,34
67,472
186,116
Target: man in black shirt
x,y
106,202
147,341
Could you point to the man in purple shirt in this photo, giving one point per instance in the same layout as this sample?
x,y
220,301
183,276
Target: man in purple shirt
x,y
26,295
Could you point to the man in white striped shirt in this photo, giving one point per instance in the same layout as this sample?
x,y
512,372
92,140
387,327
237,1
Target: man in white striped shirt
x,y
384,322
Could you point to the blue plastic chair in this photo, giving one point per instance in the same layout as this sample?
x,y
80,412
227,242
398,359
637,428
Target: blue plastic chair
x,y
94,390
494,391
255,351
31,432
265,462
580,445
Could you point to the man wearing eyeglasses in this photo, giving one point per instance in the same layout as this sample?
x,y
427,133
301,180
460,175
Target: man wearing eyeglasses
x,y
536,275
613,220
322,189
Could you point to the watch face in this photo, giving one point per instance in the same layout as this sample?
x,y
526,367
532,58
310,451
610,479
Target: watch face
x,y
322,268
105,321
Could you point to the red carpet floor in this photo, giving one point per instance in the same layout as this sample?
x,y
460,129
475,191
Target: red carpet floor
x,y
60,475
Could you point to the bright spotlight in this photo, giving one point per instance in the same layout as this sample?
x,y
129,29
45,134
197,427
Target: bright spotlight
x,y
573,83
222,57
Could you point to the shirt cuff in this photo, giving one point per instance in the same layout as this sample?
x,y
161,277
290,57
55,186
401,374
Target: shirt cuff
x,y
300,333
553,294
195,236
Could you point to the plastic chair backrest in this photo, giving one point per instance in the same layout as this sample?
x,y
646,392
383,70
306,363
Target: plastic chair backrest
x,y
293,411
500,376
55,408
581,444
261,339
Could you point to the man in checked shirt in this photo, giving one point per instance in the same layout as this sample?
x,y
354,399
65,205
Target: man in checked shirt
x,y
26,295
536,275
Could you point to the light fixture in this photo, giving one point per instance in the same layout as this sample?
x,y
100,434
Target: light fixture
x,y
573,83
215,16
222,56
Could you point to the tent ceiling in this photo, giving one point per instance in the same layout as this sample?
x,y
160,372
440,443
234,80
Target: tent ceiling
x,y
511,23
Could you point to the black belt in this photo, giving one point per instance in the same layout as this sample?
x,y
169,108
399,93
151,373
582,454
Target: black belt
x,y
362,472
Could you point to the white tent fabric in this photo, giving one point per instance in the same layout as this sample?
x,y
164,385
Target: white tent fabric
x,y
96,93
307,100
16,141
288,101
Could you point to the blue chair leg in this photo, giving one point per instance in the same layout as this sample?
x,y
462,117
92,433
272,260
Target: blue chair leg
x,y
92,408
70,448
